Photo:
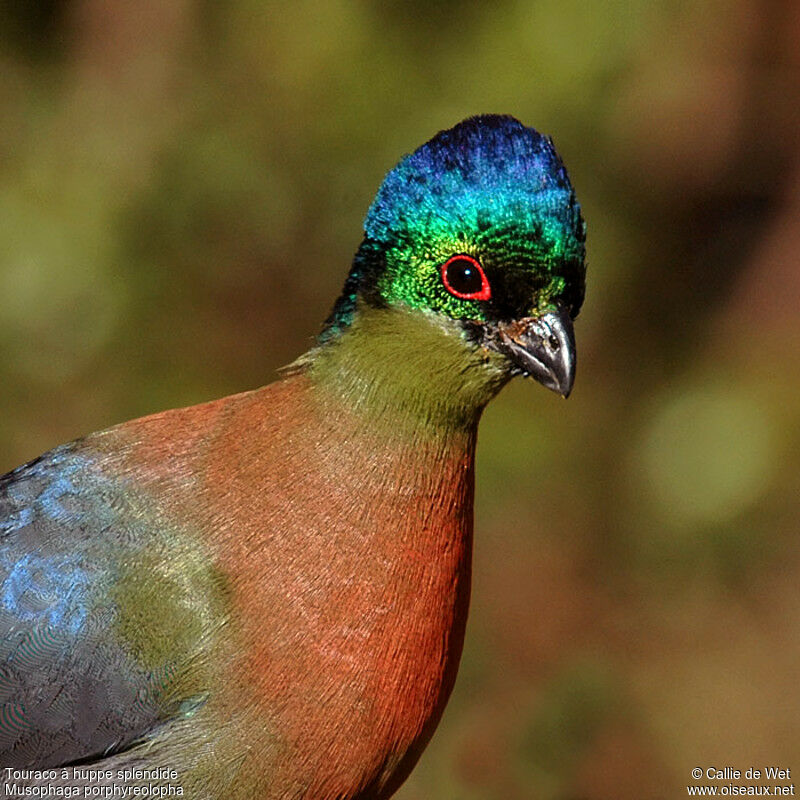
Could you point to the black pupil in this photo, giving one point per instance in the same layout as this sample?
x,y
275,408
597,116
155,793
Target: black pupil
x,y
464,276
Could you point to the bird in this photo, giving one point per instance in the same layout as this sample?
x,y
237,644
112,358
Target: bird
x,y
265,596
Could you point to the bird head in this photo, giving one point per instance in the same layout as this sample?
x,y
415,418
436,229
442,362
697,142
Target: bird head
x,y
480,231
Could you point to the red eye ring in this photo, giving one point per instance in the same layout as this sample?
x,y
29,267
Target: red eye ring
x,y
459,274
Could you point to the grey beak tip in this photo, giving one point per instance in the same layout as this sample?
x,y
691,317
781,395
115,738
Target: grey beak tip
x,y
544,348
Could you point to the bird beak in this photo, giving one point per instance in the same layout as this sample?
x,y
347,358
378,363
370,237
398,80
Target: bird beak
x,y
542,347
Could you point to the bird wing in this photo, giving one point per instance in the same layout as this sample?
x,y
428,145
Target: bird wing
x,y
78,676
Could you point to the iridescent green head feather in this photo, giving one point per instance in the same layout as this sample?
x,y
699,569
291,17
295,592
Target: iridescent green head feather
x,y
479,232
489,188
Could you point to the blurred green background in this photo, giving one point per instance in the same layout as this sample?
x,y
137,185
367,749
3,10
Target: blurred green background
x,y
182,186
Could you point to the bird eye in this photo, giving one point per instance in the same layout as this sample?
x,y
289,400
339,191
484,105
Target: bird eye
x,y
464,277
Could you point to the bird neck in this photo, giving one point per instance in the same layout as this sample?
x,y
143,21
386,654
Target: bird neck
x,y
406,372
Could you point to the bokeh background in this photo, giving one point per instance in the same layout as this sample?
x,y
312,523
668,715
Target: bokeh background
x,y
182,186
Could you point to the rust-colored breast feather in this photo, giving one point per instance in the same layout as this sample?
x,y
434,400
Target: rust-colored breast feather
x,y
347,549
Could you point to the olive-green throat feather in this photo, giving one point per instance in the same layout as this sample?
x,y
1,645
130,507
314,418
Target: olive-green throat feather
x,y
405,368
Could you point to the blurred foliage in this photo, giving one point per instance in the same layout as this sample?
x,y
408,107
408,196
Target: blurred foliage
x,y
181,189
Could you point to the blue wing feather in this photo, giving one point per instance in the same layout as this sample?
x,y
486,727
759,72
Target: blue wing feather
x,y
69,689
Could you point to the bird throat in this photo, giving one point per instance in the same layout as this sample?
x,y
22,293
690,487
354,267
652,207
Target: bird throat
x,y
407,372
